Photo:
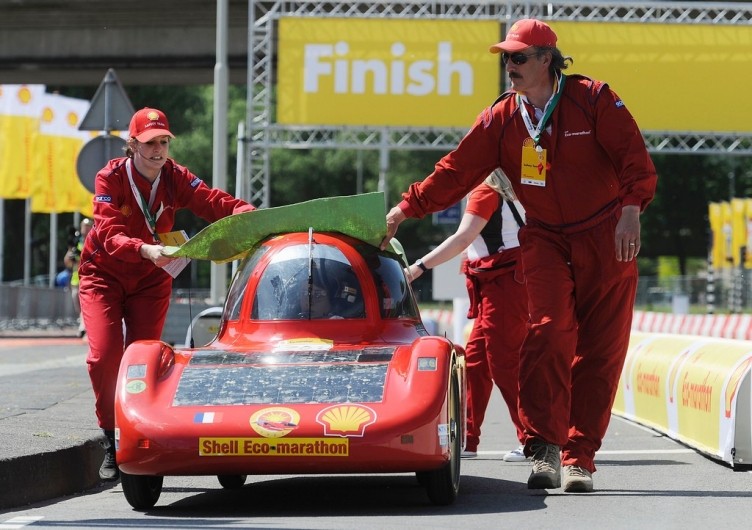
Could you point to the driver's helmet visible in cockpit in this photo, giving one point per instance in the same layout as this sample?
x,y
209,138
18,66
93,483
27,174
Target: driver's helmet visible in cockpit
x,y
303,282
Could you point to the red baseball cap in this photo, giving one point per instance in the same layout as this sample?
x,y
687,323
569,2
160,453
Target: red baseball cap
x,y
525,33
147,124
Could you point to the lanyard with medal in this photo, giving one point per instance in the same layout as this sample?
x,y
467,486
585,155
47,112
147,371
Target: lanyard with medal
x,y
533,155
151,220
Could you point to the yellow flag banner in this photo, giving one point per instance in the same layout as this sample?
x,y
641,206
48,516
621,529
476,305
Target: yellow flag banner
x,y
738,229
57,187
748,223
715,218
727,237
20,107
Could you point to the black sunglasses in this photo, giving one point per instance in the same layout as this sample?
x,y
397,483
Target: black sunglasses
x,y
517,58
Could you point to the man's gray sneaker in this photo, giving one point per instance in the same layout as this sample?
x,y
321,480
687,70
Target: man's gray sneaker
x,y
546,472
577,480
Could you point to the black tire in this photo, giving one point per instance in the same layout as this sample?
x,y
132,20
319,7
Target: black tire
x,y
232,482
141,491
443,484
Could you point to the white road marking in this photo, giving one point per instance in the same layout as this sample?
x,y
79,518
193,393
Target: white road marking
x,y
20,522
624,452
648,452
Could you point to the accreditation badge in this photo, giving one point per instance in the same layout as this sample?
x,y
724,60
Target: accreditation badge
x,y
533,164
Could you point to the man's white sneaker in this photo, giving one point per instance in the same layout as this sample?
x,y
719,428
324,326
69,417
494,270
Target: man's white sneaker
x,y
515,455
469,454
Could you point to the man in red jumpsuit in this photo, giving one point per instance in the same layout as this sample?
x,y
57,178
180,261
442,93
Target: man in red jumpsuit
x,y
579,165
122,283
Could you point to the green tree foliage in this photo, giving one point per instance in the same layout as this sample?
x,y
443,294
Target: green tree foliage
x,y
676,222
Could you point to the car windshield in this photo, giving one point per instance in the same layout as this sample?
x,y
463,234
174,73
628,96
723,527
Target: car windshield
x,y
308,281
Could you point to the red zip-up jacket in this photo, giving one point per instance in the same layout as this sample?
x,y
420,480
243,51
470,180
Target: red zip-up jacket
x,y
120,228
596,155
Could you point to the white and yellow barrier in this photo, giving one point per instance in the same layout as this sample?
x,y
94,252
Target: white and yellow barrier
x,y
688,377
694,389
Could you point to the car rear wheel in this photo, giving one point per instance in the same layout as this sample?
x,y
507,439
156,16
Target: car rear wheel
x,y
443,484
232,482
141,491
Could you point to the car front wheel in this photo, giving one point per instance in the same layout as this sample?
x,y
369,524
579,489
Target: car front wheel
x,y
443,484
141,491
232,482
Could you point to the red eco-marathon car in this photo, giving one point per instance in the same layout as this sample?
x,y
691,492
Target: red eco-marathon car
x,y
321,365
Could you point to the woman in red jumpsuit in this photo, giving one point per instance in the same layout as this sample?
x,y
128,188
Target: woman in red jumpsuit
x,y
122,284
498,301
577,161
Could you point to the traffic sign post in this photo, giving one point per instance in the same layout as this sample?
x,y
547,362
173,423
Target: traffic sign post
x,y
110,110
94,155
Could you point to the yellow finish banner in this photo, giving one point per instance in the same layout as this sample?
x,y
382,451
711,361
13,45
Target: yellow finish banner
x,y
382,72
664,72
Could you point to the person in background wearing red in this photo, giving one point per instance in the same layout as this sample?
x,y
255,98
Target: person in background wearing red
x,y
123,287
487,234
577,161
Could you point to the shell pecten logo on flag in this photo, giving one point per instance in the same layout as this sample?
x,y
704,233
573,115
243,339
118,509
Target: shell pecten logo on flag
x,y
56,186
24,95
346,420
20,113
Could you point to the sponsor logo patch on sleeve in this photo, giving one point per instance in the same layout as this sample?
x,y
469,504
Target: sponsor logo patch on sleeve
x,y
103,198
619,104
195,182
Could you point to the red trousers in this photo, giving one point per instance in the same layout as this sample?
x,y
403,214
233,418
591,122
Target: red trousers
x,y
581,305
108,304
499,305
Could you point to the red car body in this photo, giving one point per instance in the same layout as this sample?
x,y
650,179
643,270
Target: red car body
x,y
287,387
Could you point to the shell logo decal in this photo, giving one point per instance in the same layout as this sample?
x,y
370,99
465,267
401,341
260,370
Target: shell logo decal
x,y
153,116
275,422
346,420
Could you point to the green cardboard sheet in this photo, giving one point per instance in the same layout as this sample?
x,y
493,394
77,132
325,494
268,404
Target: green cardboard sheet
x,y
360,216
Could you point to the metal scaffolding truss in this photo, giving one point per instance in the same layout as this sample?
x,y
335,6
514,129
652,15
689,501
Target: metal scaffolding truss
x,y
263,135
292,137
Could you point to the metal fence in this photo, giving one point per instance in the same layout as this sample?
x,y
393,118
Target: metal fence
x,y
39,307
726,292
30,307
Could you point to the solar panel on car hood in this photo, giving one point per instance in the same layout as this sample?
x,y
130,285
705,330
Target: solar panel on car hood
x,y
230,378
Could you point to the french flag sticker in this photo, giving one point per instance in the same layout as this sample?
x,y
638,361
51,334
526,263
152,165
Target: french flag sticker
x,y
207,417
